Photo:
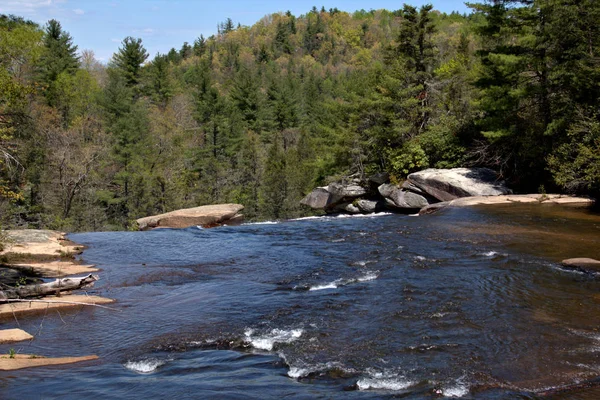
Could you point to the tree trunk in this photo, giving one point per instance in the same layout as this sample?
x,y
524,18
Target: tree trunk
x,y
59,285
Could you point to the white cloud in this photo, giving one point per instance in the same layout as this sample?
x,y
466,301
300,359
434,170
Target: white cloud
x,y
115,40
29,7
79,11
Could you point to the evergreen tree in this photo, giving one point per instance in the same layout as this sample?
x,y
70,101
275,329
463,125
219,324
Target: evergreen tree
x,y
129,59
199,47
59,57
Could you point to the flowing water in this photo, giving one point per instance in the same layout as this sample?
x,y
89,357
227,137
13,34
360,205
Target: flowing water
x,y
469,302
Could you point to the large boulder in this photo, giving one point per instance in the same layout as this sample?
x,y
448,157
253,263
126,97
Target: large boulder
x,y
204,216
334,196
340,191
397,197
370,206
449,184
318,199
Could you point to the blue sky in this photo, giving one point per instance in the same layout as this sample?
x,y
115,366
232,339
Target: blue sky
x,y
102,25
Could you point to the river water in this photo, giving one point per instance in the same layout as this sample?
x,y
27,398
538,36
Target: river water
x,y
468,302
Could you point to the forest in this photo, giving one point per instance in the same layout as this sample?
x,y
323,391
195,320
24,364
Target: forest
x,y
259,115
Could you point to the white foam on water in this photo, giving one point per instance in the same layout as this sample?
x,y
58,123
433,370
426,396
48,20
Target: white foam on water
x,y
383,384
338,240
304,370
296,373
369,276
420,258
308,218
460,390
379,214
268,340
144,366
342,216
387,380
331,285
262,223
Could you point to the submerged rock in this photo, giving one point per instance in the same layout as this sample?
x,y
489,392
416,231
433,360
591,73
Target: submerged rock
x,y
449,184
584,264
205,216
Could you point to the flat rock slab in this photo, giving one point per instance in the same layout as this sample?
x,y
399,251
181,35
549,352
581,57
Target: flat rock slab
x,y
55,269
10,310
14,335
20,361
586,264
204,216
521,198
39,242
509,199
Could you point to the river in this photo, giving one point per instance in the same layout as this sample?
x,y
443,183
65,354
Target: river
x,y
468,302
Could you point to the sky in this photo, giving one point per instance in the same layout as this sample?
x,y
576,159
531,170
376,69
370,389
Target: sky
x,y
101,25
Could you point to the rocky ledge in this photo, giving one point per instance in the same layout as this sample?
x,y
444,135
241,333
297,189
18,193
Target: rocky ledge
x,y
420,190
204,216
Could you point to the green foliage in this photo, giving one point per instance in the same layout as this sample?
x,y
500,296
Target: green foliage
x,y
261,114
129,59
409,158
576,164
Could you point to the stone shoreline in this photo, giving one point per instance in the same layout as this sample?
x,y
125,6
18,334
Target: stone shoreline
x,y
29,254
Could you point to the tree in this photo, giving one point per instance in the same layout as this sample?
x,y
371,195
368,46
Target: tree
x,y
537,72
129,59
159,83
60,55
58,62
199,47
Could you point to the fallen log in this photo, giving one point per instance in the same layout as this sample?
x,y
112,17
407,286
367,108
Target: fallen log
x,y
43,289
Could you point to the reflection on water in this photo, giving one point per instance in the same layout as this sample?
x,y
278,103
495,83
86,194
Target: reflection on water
x,y
469,302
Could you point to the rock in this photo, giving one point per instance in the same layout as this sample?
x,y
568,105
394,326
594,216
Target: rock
x,y
319,198
585,264
404,199
10,310
370,206
205,216
14,335
386,190
340,191
411,187
400,198
347,208
433,208
39,243
449,184
20,361
379,178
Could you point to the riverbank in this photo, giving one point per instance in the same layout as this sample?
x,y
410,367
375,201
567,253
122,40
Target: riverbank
x,y
29,256
558,199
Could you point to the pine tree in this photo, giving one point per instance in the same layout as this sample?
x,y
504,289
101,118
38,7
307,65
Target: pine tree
x,y
129,59
59,56
199,47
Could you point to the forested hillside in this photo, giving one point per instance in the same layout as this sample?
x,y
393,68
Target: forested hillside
x,y
260,114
